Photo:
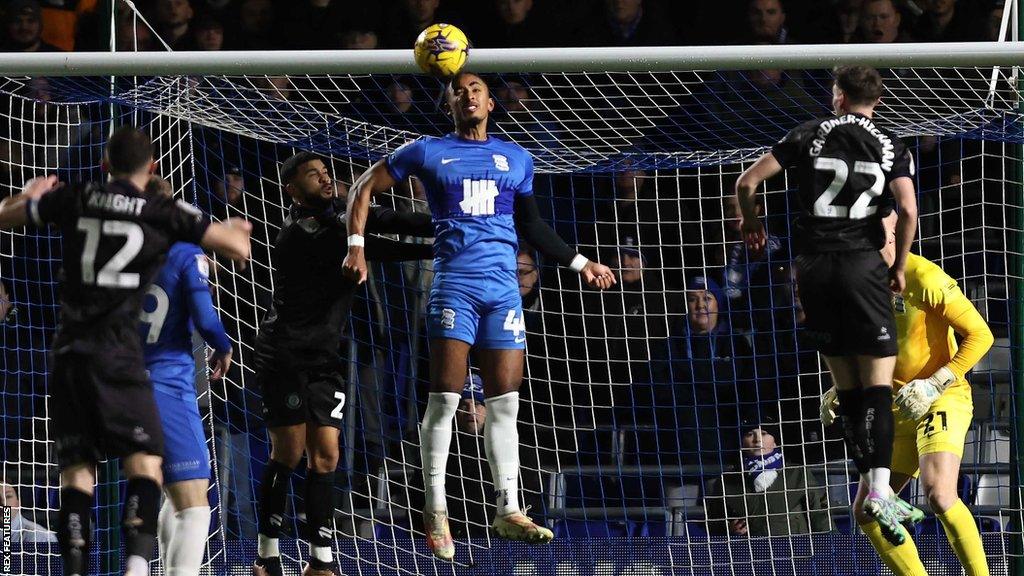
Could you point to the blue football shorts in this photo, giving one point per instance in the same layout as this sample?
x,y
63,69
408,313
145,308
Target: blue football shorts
x,y
185,454
483,309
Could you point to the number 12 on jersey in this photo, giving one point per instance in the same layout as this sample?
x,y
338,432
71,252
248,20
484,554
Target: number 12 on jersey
x,y
824,207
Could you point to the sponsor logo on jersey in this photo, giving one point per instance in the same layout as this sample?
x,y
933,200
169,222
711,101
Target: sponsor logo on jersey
x,y
478,197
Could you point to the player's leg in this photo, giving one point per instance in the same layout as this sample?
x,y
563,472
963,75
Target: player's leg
x,y
141,508
877,426
502,373
284,396
187,510
74,530
940,438
325,410
449,363
286,446
846,377
184,520
903,559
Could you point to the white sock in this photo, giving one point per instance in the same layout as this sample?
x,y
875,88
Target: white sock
x,y
435,442
880,480
321,553
267,547
136,566
501,443
185,554
166,524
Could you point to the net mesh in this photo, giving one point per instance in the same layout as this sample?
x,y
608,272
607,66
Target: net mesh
x,y
630,430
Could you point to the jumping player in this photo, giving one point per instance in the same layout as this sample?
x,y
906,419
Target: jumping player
x,y
933,407
298,364
480,192
178,300
114,236
849,171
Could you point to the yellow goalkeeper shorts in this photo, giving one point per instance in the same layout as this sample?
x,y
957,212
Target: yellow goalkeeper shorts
x,y
942,429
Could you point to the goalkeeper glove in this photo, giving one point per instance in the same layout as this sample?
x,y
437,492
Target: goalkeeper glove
x,y
829,405
916,397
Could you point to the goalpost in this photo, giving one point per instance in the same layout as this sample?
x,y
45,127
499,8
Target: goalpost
x,y
630,424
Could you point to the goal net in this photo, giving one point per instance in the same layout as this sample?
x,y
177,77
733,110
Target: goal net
x,y
636,399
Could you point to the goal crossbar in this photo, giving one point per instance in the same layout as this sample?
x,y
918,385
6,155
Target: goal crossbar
x,y
521,60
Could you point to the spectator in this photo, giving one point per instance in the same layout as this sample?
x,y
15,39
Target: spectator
x,y
709,366
528,125
314,24
400,96
229,191
513,24
748,275
880,22
628,23
133,35
256,26
208,34
847,19
766,21
70,24
22,529
943,21
8,311
173,18
408,20
359,39
528,273
24,28
991,22
766,497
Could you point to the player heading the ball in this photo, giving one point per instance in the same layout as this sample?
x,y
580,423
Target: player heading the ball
x,y
480,193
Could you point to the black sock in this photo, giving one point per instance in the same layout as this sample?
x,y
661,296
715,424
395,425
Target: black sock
x,y
74,531
879,425
273,498
850,412
138,522
320,507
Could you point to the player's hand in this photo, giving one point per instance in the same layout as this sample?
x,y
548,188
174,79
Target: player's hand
x,y
754,235
219,364
916,397
829,405
897,280
597,275
738,526
354,266
40,185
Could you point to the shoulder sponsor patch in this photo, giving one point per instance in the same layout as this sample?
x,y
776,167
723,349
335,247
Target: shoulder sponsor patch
x,y
203,265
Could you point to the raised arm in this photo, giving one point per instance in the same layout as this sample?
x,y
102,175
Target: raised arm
x,y
388,221
542,237
14,210
384,250
746,195
375,180
906,227
229,238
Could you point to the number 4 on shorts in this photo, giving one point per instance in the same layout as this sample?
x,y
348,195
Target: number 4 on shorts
x,y
336,413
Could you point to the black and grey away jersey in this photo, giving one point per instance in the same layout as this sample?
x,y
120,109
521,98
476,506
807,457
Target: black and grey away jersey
x,y
843,167
115,238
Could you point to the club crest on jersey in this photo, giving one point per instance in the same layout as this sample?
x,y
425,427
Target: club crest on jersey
x,y
898,304
500,162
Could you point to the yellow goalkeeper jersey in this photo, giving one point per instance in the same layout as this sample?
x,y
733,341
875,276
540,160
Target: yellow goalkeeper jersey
x,y
930,311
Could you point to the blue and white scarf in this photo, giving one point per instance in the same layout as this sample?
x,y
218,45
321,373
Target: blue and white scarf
x,y
764,469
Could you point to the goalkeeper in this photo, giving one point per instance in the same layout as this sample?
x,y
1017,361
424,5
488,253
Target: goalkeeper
x,y
933,407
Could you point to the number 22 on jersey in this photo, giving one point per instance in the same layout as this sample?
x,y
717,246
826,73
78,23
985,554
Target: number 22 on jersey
x,y
824,207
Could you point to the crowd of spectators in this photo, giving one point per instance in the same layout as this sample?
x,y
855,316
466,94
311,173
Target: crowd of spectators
x,y
49,25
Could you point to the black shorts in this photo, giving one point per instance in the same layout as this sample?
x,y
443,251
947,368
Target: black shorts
x,y
102,406
848,304
301,395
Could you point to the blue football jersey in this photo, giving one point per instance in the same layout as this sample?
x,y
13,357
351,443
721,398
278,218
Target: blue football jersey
x,y
178,300
471,189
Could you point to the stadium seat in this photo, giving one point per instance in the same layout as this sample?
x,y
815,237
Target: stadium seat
x,y
841,490
682,496
990,524
593,529
997,444
993,490
971,441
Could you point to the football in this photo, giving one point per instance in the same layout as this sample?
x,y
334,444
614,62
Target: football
x,y
441,50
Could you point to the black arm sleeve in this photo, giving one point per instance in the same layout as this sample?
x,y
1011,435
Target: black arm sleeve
x,y
384,250
383,220
538,233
